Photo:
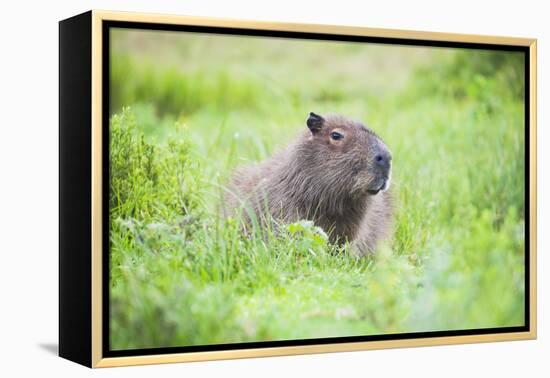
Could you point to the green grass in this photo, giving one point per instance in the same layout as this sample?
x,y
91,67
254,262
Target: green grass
x,y
186,112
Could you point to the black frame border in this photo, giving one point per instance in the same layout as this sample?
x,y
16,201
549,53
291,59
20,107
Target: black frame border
x,y
107,25
75,201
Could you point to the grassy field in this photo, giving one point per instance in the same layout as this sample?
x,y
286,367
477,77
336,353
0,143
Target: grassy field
x,y
187,109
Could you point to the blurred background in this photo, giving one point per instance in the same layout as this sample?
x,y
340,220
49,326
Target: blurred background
x,y
259,90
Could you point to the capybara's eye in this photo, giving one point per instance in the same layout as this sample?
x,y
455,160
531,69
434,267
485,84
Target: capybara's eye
x,y
336,136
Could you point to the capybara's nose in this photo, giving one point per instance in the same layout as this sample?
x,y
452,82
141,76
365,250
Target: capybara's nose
x,y
383,160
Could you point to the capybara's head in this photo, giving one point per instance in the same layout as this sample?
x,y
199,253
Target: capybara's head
x,y
347,155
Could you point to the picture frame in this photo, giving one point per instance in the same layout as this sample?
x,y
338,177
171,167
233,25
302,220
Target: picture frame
x,y
84,244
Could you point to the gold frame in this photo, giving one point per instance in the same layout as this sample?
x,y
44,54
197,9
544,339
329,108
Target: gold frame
x,y
99,16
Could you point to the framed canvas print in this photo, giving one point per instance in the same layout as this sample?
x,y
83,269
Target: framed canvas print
x,y
235,189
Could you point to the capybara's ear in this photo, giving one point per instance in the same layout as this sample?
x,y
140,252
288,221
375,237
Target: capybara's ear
x,y
315,122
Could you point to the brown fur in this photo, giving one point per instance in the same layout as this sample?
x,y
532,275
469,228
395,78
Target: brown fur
x,y
338,184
